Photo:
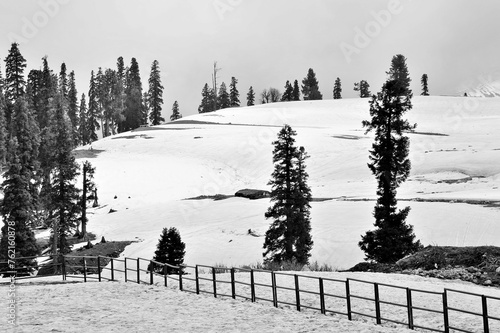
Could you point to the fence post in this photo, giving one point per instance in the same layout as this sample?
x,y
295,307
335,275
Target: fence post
x,y
252,286
99,267
125,263
233,284
322,296
138,271
84,270
196,275
214,281
112,270
180,277
410,308
297,292
485,314
445,312
273,286
151,267
377,304
165,274
63,267
348,299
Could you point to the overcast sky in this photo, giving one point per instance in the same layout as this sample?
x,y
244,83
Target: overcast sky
x,y
261,43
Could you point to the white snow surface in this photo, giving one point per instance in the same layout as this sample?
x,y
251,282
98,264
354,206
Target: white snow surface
x,y
47,305
455,154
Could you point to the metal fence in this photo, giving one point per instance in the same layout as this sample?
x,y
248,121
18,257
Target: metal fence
x,y
352,298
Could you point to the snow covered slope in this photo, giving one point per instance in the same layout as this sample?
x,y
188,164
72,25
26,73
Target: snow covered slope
x,y
455,155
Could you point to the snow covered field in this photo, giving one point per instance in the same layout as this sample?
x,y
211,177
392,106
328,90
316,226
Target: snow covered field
x,y
455,160
47,305
453,192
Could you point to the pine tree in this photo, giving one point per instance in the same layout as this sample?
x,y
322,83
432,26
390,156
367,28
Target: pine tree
x,y
425,88
224,101
89,192
288,94
296,91
83,134
337,89
73,107
92,124
207,97
399,73
363,87
119,97
393,239
14,83
48,89
64,195
175,112
3,131
250,97
288,238
234,94
134,112
155,94
19,202
170,250
310,87
63,81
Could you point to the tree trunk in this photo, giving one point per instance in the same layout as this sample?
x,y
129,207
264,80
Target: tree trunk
x,y
83,234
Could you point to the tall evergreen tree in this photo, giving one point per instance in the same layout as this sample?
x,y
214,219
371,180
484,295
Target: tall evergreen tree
x,y
83,134
92,117
224,101
250,97
63,81
288,237
207,97
310,87
170,250
19,202
73,107
363,87
175,112
14,84
425,88
399,73
296,91
393,239
134,113
48,89
234,95
119,97
101,94
337,89
64,195
155,95
3,131
288,94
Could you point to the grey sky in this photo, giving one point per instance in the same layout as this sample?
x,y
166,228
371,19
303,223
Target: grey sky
x,y
261,43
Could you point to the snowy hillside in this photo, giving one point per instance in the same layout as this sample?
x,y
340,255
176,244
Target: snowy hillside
x,y
455,155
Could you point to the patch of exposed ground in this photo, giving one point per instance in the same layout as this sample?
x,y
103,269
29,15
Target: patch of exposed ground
x,y
86,153
477,264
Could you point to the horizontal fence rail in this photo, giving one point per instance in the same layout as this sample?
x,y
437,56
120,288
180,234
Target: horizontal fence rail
x,y
350,297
